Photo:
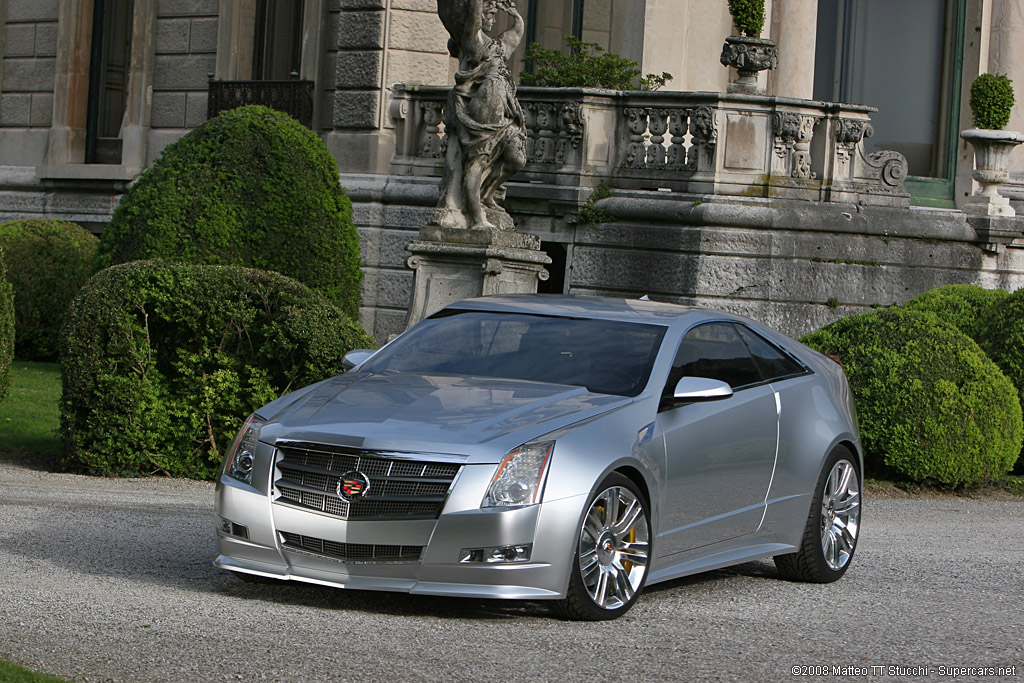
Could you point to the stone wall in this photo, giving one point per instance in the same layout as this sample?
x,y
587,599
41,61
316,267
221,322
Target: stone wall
x,y
186,52
379,44
794,265
28,50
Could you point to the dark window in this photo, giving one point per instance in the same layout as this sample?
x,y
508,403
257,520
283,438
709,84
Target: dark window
x,y
771,361
605,356
278,46
108,80
715,351
555,284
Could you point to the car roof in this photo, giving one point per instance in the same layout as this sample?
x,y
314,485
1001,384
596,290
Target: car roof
x,y
626,310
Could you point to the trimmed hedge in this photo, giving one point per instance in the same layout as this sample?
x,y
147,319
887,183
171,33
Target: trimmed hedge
x,y
932,406
162,362
251,187
47,263
962,306
6,329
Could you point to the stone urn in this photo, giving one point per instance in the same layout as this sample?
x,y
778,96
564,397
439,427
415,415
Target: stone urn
x,y
748,56
991,169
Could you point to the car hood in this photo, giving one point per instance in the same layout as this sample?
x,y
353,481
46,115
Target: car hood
x,y
445,414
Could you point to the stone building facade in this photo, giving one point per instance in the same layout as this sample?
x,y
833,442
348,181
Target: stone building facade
x,y
779,204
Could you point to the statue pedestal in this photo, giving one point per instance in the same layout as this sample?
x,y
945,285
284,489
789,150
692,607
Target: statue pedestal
x,y
452,264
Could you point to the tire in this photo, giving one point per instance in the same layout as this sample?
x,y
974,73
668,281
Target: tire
x,y
833,524
612,553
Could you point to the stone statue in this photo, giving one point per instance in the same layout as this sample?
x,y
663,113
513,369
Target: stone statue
x,y
484,122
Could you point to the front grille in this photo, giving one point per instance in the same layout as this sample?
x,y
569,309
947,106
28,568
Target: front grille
x,y
399,487
352,552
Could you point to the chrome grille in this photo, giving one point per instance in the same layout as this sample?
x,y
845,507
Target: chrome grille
x,y
401,487
351,552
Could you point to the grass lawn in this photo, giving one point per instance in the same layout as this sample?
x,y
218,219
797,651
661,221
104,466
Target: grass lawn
x,y
29,416
13,673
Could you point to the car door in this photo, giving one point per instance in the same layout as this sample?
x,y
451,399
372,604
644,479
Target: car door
x,y
720,454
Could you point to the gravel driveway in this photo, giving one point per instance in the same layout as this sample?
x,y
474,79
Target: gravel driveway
x,y
111,580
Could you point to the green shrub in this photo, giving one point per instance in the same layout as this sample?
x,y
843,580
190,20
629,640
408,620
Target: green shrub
x,y
6,330
1002,337
162,362
991,101
590,214
586,66
932,406
252,187
962,306
47,263
748,16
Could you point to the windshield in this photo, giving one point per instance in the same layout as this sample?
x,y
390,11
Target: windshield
x,y
604,356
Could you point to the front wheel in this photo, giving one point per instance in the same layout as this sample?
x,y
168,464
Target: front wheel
x,y
833,525
612,555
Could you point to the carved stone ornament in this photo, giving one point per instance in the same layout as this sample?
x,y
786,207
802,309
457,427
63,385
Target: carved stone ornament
x,y
484,121
991,169
748,56
852,131
793,133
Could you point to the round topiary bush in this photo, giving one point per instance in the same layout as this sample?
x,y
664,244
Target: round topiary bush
x,y
991,101
163,361
251,187
962,306
6,330
748,16
47,262
932,407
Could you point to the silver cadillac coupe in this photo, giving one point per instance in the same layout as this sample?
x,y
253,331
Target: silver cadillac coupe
x,y
557,448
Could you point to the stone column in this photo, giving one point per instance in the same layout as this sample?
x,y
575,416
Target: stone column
x,y
1006,55
794,25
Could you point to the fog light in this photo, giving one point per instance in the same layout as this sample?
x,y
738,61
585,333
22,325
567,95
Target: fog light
x,y
495,554
232,529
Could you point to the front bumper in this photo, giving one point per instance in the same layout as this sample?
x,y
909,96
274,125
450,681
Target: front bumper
x,y
551,528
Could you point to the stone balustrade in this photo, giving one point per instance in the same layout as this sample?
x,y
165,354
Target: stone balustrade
x,y
687,142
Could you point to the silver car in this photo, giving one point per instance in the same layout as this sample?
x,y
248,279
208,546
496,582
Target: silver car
x,y
571,449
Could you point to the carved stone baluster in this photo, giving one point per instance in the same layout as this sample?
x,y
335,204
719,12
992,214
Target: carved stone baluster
x,y
677,121
635,152
658,124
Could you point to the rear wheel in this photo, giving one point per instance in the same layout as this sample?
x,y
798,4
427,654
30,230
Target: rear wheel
x,y
612,553
833,525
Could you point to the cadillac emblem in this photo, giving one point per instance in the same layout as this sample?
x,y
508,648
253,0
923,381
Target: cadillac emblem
x,y
353,485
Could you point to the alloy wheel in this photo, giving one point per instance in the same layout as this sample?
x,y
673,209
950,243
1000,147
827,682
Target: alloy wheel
x,y
614,548
840,514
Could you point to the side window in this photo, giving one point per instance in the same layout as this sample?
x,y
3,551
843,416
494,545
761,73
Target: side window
x,y
715,351
770,360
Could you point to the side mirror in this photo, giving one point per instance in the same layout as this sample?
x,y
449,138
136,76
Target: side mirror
x,y
355,357
701,389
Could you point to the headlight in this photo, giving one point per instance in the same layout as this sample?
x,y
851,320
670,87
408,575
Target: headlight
x,y
239,462
520,476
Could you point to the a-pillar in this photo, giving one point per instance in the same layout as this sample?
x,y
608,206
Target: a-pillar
x,y
794,27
